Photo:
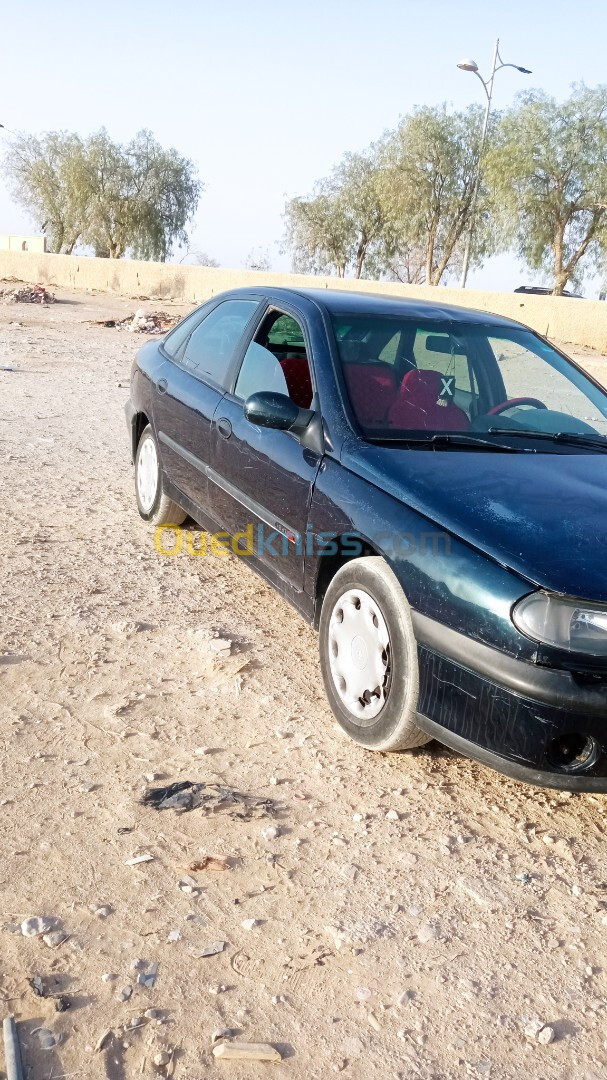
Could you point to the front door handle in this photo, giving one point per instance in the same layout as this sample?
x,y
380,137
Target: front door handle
x,y
162,386
224,427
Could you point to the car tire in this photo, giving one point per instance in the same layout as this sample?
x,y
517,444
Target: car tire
x,y
368,656
153,503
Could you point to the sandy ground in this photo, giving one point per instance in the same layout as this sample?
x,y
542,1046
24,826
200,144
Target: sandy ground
x,y
416,945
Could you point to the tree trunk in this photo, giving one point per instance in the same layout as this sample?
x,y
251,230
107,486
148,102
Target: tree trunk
x,y
560,273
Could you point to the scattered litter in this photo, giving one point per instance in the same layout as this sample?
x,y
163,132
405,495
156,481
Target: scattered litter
x,y
103,1038
524,879
189,885
240,1051
55,938
28,294
8,367
211,862
47,1040
35,926
157,322
139,859
186,795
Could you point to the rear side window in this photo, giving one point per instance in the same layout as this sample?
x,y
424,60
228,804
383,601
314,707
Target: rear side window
x,y
173,341
213,343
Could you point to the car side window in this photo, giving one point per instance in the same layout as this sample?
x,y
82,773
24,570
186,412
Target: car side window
x,y
213,343
277,361
173,342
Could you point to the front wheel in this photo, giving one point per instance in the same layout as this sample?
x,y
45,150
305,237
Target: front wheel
x,y
368,656
153,503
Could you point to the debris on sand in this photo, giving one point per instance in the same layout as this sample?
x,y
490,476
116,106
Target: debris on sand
x,y
211,862
186,795
241,1051
28,294
157,322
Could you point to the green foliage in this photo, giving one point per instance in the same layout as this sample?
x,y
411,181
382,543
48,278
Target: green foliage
x,y
401,208
428,170
116,199
548,167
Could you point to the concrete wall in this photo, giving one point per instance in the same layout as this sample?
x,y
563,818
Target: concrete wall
x,y
10,242
579,322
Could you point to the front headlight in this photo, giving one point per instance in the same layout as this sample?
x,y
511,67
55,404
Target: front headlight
x,y
577,626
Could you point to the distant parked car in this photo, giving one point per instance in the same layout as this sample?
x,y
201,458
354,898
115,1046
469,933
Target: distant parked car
x,y
538,290
427,485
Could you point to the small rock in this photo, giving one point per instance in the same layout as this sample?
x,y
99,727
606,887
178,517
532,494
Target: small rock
x,y
34,927
103,911
250,924
220,1033
174,935
163,1057
152,1014
215,990
107,977
54,938
124,994
427,932
540,1032
271,832
393,815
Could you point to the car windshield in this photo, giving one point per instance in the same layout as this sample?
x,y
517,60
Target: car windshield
x,y
414,379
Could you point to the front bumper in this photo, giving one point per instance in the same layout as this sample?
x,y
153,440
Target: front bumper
x,y
506,712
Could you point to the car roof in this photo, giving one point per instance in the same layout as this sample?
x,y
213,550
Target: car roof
x,y
342,302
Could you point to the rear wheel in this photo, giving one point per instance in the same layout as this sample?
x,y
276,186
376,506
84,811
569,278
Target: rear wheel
x,y
152,502
368,656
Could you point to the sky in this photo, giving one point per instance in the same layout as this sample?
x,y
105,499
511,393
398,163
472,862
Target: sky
x,y
266,96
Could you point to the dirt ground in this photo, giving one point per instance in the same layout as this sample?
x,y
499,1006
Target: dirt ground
x,y
420,943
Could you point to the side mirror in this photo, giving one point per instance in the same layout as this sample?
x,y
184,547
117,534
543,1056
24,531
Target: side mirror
x,y
272,410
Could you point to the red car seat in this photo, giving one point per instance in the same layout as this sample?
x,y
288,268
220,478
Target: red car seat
x,y
419,406
372,391
296,371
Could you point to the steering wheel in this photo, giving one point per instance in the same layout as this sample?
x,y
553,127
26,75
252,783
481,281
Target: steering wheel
x,y
512,402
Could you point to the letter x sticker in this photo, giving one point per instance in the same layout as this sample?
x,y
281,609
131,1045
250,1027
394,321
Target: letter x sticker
x,y
448,386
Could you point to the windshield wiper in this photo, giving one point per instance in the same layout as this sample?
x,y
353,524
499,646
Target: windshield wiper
x,y
573,438
452,439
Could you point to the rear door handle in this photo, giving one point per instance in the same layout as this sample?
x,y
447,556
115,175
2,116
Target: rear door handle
x,y
224,427
162,386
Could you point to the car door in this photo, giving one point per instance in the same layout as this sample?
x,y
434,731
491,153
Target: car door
x,y
263,478
189,387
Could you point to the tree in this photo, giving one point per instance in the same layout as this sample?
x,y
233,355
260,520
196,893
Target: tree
x,y
428,167
48,178
341,227
116,199
549,169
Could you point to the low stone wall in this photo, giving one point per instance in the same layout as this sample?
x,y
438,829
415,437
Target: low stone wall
x,y
580,322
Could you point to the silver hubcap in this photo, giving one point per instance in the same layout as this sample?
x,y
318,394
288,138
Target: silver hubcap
x,y
359,654
147,474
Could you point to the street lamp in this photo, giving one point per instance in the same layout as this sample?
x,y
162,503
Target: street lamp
x,y
471,65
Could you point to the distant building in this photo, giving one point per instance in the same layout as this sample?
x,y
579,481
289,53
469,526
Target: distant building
x,y
9,242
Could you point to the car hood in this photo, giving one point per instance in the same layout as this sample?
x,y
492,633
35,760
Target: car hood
x,y
542,515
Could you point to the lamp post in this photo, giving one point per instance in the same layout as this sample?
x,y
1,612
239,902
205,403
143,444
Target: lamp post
x,y
471,65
